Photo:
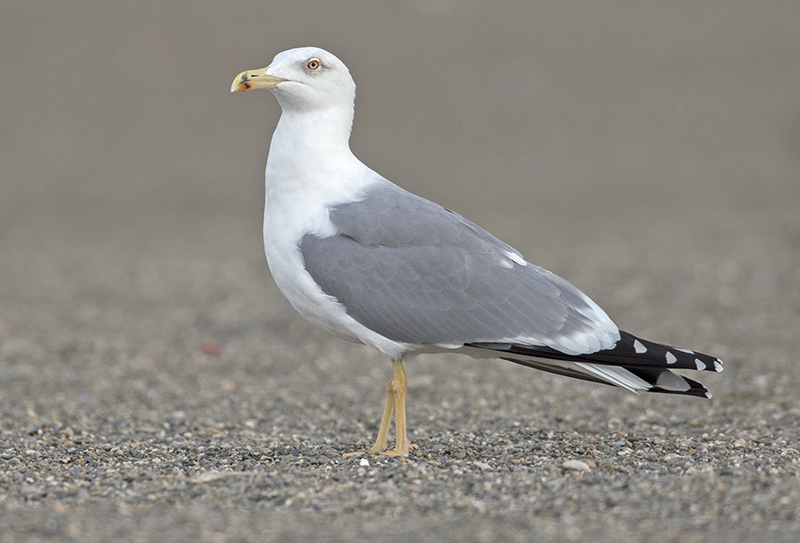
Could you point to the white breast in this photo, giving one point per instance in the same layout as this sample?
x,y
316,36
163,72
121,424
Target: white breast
x,y
292,210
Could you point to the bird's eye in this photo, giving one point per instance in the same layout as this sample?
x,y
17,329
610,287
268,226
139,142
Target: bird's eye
x,y
313,64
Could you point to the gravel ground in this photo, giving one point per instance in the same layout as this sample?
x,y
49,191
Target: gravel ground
x,y
155,386
179,398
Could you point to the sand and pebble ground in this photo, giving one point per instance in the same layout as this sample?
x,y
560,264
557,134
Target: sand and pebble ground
x,y
180,398
155,385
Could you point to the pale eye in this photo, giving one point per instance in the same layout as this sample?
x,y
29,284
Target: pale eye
x,y
313,64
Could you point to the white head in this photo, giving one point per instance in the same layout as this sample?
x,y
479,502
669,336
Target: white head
x,y
303,79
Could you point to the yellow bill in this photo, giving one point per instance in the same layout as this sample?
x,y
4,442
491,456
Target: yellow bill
x,y
255,79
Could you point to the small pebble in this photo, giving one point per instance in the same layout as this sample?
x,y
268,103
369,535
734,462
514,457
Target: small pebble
x,y
575,465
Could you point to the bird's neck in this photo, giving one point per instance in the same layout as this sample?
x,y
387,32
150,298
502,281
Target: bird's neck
x,y
315,134
310,155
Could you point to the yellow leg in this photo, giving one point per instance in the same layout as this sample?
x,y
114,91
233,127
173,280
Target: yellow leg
x,y
388,412
395,406
401,437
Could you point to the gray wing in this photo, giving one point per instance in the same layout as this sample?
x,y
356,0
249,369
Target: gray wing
x,y
418,273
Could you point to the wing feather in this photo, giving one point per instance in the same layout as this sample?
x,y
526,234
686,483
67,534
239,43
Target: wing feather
x,y
446,280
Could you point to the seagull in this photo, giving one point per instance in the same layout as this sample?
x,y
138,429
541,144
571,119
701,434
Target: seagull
x,y
369,262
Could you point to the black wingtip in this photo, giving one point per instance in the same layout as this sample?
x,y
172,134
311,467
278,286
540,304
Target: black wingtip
x,y
632,351
668,382
651,362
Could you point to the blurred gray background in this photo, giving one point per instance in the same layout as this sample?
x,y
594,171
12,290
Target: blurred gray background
x,y
649,152
613,115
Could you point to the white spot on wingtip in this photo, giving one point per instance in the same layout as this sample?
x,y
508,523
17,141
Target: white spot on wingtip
x,y
517,259
672,382
638,347
708,394
448,345
718,365
671,358
700,365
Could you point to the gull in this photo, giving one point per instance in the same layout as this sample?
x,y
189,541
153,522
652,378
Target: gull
x,y
369,262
